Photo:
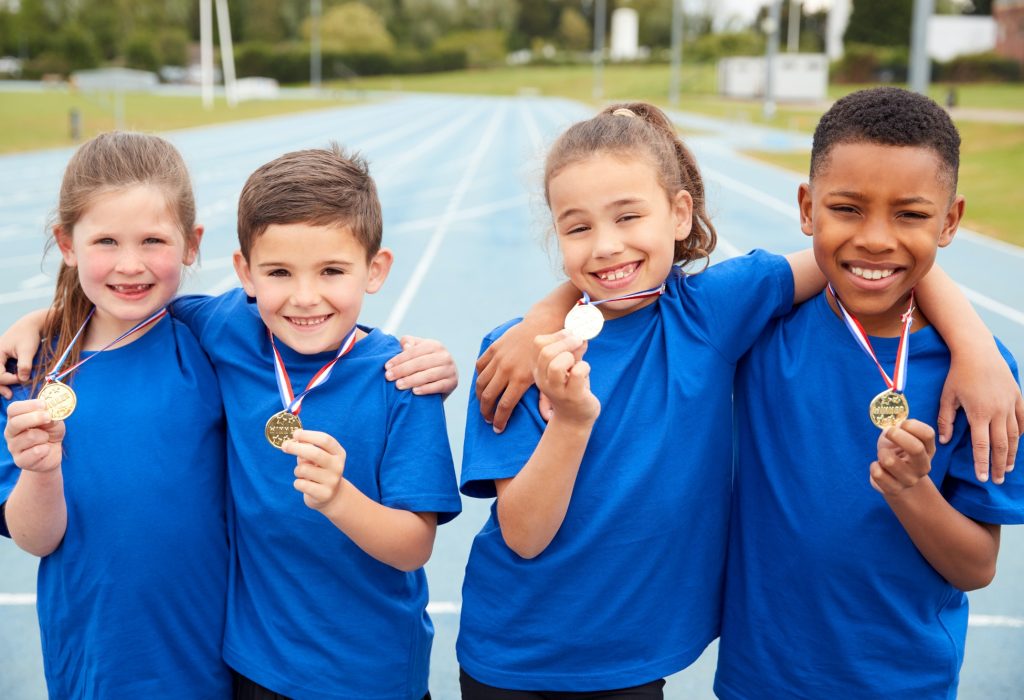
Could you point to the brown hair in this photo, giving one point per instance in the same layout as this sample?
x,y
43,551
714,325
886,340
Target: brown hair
x,y
636,128
107,163
319,187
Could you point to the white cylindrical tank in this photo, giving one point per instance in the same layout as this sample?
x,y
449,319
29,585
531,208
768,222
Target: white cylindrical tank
x,y
625,34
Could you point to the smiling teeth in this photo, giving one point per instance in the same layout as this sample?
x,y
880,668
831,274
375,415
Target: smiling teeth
x,y
308,321
871,274
128,288
616,274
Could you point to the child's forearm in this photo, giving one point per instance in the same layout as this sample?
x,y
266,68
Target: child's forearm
x,y
532,505
396,537
36,513
808,278
962,550
953,316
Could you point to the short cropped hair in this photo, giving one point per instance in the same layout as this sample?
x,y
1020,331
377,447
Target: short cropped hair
x,y
892,117
319,187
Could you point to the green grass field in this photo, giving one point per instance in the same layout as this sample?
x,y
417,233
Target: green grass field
x,y
992,154
31,120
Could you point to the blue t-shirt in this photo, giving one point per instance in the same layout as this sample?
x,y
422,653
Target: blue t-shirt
x,y
310,614
131,604
629,590
826,594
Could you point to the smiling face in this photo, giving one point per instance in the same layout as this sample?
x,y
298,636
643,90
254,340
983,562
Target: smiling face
x,y
617,227
128,249
309,282
878,214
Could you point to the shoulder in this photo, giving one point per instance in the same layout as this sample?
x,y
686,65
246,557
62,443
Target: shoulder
x,y
741,269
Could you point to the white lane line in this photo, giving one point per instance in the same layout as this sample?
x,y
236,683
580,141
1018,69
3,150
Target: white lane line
x,y
757,195
409,293
21,260
993,243
532,130
444,607
17,598
450,607
36,281
993,305
26,295
464,215
392,170
995,621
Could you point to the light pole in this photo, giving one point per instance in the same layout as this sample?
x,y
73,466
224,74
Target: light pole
x,y
599,21
771,28
677,53
315,61
793,35
920,65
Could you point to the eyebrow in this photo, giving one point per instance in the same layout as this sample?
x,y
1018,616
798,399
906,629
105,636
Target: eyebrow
x,y
861,197
323,263
611,205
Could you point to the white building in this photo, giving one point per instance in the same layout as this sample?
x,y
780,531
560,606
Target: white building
x,y
796,77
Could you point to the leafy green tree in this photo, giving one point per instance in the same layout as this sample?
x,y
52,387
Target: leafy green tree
x,y
140,51
77,47
880,22
574,30
353,27
172,47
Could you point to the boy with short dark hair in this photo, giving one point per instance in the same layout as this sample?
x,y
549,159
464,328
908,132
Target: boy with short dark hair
x,y
327,604
849,551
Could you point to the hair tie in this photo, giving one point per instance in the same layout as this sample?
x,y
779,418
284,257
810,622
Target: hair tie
x,y
624,112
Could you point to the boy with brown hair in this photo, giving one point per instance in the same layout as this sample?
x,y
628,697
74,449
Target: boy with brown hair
x,y
328,595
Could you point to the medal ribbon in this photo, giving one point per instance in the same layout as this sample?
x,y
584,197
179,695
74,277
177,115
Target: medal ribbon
x,y
56,375
899,372
292,403
652,292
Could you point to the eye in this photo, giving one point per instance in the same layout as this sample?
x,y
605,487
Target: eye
x,y
913,215
278,272
332,271
843,208
578,228
625,218
105,241
154,240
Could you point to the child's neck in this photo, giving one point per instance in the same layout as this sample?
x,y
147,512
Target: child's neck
x,y
889,323
101,331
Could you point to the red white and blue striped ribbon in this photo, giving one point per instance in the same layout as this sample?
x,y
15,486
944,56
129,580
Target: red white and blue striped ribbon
x,y
56,375
292,403
899,372
652,292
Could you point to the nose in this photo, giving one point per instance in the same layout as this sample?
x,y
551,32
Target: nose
x,y
305,293
129,262
607,241
876,235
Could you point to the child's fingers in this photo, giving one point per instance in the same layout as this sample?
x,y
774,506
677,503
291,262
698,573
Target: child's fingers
x,y
555,375
1013,429
923,432
316,492
318,448
442,386
428,375
27,415
882,481
18,408
544,406
911,438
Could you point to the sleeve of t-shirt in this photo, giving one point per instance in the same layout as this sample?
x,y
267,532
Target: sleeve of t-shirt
x,y
417,472
998,504
200,313
487,455
733,301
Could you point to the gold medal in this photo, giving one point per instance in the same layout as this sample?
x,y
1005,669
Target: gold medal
x,y
584,321
888,408
60,399
280,427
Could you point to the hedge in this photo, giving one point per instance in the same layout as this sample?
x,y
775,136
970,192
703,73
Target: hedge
x,y
290,63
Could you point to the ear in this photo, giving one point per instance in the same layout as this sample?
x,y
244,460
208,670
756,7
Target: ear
x,y
379,267
243,272
682,213
804,202
193,250
67,250
952,221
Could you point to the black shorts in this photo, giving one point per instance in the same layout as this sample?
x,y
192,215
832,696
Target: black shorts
x,y
473,689
247,689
